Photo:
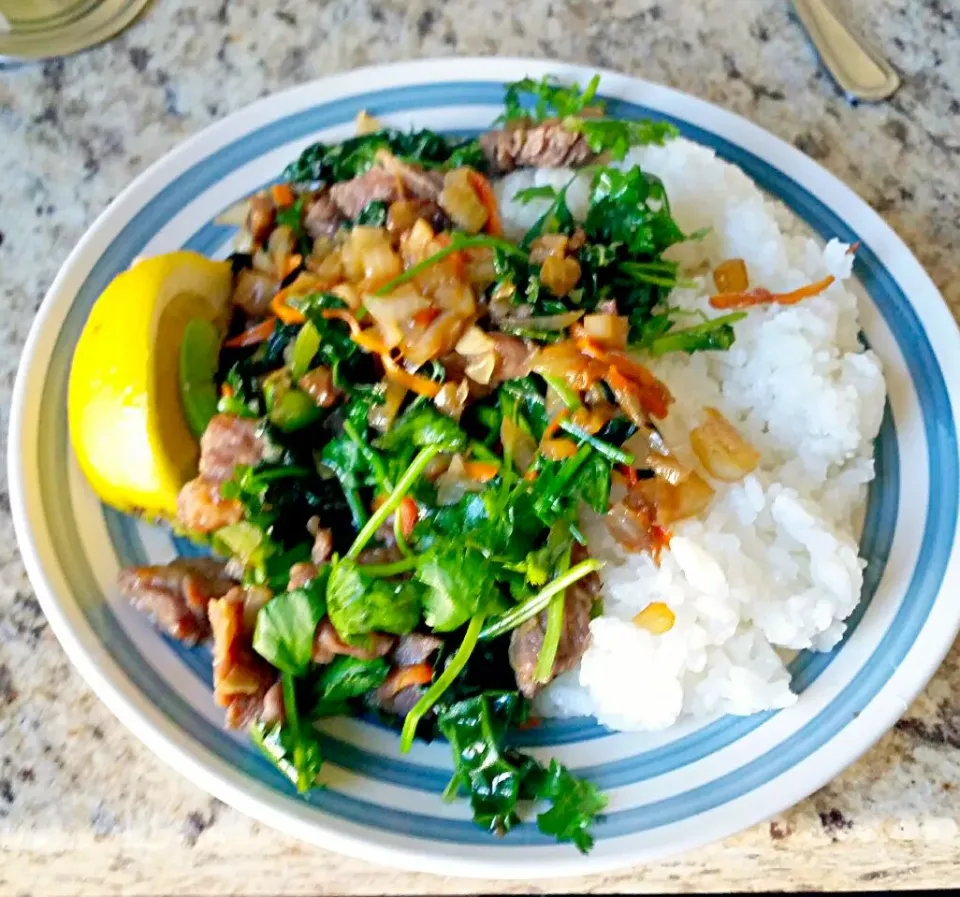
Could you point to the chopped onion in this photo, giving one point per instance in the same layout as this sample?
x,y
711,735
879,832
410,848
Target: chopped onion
x,y
395,310
518,442
544,322
668,467
548,245
235,214
452,398
731,276
721,449
558,449
656,618
481,367
475,342
382,415
610,331
454,483
566,361
460,201
672,502
632,527
560,275
365,123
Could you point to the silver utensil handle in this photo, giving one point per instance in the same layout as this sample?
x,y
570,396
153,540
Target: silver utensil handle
x,y
859,70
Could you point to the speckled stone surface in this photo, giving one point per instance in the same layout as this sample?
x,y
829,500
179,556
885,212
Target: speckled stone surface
x,y
84,808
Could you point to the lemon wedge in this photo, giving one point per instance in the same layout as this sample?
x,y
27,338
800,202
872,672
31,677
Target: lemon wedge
x,y
127,423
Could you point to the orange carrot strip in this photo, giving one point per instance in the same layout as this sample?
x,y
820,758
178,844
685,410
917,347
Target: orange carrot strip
x,y
404,677
762,296
226,390
409,514
531,476
287,314
291,263
630,475
480,471
252,335
554,424
481,186
282,195
426,316
653,394
341,314
420,385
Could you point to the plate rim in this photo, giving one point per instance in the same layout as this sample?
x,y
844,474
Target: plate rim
x,y
176,748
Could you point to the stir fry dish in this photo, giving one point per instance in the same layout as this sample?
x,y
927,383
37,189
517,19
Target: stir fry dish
x,y
388,417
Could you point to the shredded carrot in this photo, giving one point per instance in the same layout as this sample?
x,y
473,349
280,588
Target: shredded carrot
x,y
287,314
554,424
226,390
531,722
426,316
291,263
481,186
629,474
341,314
282,195
661,540
653,395
404,677
480,471
409,514
370,340
420,385
853,247
531,476
252,335
762,296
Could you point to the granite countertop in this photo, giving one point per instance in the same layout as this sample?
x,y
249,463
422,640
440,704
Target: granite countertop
x,y
83,806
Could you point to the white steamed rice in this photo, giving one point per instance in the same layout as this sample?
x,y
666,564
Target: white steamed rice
x,y
773,565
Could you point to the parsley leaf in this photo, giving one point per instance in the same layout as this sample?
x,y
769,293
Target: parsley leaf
x,y
343,680
460,583
549,99
287,623
358,603
615,136
576,802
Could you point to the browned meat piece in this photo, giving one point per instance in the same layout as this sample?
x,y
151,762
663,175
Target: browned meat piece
x,y
272,710
254,598
415,648
418,182
327,644
241,678
176,595
547,145
386,555
398,703
514,357
318,384
227,442
302,574
261,215
404,213
527,639
253,290
322,546
322,217
201,508
353,196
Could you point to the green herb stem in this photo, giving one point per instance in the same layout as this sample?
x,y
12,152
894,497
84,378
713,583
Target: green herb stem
x,y
357,511
447,677
369,455
604,448
532,606
410,476
567,395
404,565
458,241
551,636
677,340
482,452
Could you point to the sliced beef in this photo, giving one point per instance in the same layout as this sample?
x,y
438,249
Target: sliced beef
x,y
241,678
322,545
353,196
398,703
327,644
201,508
514,357
527,640
261,216
322,218
415,648
417,182
302,574
547,145
176,595
227,442
253,290
318,384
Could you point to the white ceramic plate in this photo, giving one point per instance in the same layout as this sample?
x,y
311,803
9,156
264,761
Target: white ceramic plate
x,y
667,792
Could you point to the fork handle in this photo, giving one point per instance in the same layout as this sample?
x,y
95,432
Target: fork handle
x,y
861,72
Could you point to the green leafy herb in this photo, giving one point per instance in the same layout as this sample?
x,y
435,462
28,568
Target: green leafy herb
x,y
424,425
286,626
359,604
292,216
576,803
325,164
716,333
460,582
538,101
293,748
374,214
343,680
616,136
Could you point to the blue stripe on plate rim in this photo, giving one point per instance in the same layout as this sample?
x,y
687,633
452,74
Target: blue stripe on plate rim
x,y
894,306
